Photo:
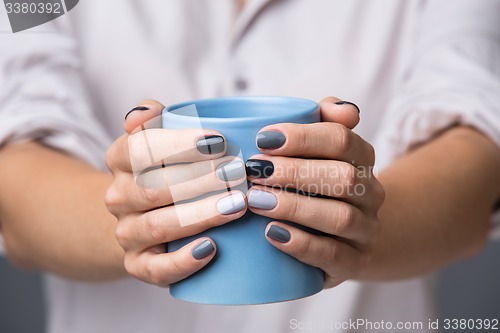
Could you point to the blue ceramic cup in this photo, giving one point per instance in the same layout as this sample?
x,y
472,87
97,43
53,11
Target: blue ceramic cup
x,y
246,269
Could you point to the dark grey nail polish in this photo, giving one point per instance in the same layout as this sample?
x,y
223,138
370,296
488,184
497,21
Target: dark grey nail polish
x,y
231,171
137,108
270,139
278,234
202,250
346,102
259,168
212,144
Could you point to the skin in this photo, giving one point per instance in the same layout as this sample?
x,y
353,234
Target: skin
x,y
53,215
438,199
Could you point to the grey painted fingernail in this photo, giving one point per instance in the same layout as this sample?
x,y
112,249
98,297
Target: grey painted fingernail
x,y
262,199
346,102
231,204
203,249
231,171
278,234
270,139
212,144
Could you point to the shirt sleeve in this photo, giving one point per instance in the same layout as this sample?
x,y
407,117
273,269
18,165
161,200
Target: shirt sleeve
x,y
451,78
43,96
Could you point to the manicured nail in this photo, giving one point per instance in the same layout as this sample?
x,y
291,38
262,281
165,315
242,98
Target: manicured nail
x,y
262,199
346,102
259,168
203,249
137,108
231,171
231,204
212,144
278,234
270,139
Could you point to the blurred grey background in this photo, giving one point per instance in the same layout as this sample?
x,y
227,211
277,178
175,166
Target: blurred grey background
x,y
468,289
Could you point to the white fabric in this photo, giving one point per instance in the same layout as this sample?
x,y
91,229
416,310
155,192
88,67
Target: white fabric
x,y
413,67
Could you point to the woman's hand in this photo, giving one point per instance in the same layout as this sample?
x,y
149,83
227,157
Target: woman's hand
x,y
333,164
146,182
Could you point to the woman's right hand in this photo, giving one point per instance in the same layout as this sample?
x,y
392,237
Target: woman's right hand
x,y
147,180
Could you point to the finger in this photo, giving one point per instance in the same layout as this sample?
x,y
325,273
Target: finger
x,y
335,110
156,147
147,111
337,259
175,183
207,175
173,222
325,177
326,215
163,269
318,140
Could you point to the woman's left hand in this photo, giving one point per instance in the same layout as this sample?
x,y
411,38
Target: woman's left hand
x,y
335,166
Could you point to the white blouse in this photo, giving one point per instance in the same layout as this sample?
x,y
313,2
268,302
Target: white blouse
x,y
413,67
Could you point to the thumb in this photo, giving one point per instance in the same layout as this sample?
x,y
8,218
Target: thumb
x,y
146,115
338,111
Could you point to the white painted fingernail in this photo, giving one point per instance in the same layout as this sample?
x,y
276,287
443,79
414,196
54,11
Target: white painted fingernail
x,y
262,199
231,171
231,204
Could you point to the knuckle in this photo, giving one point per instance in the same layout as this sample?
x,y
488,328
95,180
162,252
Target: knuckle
x,y
372,234
113,153
350,175
113,199
129,263
109,158
331,254
344,218
376,196
295,173
138,150
152,195
179,266
293,207
303,247
342,137
122,235
153,273
301,137
154,227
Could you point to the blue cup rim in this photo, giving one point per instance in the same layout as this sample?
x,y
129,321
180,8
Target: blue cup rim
x,y
298,106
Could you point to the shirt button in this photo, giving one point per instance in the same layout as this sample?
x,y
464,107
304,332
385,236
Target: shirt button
x,y
241,84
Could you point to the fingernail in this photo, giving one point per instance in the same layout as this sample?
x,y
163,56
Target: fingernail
x,y
212,144
278,234
203,249
270,139
346,102
231,171
262,199
259,168
231,204
137,108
